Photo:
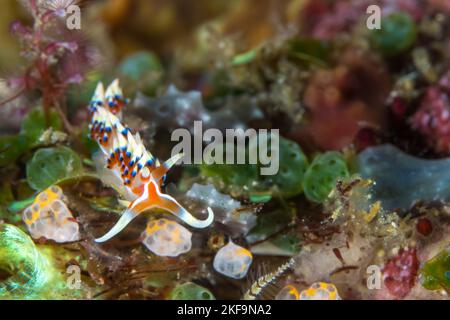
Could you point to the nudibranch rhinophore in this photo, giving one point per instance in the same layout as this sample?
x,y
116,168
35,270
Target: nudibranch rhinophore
x,y
139,174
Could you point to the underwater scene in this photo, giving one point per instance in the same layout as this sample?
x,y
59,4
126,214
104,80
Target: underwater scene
x,y
225,150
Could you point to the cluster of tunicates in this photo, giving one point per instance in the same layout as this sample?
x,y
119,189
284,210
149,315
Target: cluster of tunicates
x,y
49,217
166,238
233,261
317,291
320,291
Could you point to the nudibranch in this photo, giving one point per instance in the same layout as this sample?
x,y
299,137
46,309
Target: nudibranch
x,y
138,173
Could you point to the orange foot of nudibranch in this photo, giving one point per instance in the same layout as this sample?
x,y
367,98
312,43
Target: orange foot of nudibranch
x,y
153,198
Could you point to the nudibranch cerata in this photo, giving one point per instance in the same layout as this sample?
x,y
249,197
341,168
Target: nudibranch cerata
x,y
139,174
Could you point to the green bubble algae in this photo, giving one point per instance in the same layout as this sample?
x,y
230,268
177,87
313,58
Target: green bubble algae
x,y
435,273
321,176
27,272
191,291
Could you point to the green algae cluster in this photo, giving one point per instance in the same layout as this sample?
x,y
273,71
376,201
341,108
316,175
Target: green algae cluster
x,y
287,182
435,273
295,175
270,223
321,176
397,34
29,271
27,268
50,165
33,126
293,165
191,291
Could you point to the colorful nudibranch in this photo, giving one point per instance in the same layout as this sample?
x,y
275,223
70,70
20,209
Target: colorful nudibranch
x,y
139,172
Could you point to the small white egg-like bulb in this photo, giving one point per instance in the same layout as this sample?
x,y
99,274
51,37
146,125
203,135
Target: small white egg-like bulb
x,y
167,238
233,261
289,292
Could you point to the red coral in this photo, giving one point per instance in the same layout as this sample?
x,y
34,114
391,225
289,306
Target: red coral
x,y
57,57
432,120
400,272
346,98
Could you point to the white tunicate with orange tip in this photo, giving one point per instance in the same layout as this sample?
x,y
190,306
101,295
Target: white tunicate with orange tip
x,y
49,217
320,291
289,292
167,238
233,261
